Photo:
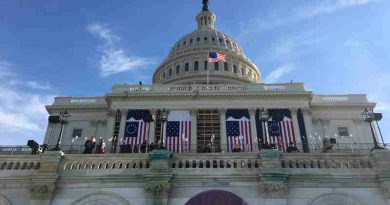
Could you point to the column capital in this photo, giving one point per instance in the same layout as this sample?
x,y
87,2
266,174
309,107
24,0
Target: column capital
x,y
157,191
153,111
41,191
111,113
222,111
194,111
273,190
123,111
306,110
294,110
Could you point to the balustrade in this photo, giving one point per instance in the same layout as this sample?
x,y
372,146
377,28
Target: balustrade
x,y
326,161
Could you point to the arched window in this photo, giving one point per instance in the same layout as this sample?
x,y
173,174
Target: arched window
x,y
242,71
216,66
163,75
198,39
220,40
186,67
234,69
213,38
227,42
191,40
177,69
205,39
196,66
170,72
184,43
205,65
226,66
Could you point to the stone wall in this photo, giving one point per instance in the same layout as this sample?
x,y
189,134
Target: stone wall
x,y
161,177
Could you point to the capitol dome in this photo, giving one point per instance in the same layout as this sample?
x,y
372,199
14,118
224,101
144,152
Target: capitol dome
x,y
187,60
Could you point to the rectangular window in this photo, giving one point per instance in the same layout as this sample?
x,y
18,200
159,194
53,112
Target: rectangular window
x,y
77,133
343,131
225,66
177,69
216,66
186,67
196,66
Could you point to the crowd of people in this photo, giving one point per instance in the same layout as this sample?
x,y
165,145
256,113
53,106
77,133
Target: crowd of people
x,y
90,146
145,147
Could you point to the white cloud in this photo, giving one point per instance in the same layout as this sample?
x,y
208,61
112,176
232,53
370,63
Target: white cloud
x,y
101,31
114,59
278,73
4,68
22,113
285,18
30,84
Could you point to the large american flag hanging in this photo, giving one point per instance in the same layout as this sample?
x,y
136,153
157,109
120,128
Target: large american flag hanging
x,y
178,132
281,133
238,129
215,57
137,127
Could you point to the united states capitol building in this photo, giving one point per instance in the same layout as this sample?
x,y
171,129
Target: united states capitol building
x,y
206,134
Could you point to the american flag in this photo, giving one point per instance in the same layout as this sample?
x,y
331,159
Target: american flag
x,y
137,127
238,129
215,57
281,133
178,131
136,131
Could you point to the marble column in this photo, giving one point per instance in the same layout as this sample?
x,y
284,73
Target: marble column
x,y
110,123
152,127
194,134
327,129
255,143
297,133
222,125
308,125
122,125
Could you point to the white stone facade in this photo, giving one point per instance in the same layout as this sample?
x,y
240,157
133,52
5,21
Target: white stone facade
x,y
347,174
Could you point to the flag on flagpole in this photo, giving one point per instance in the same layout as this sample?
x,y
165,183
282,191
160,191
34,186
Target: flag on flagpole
x,y
178,132
238,129
215,57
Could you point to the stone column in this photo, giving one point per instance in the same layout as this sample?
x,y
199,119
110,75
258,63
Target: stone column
x,y
194,134
222,124
157,184
273,181
327,130
380,161
122,125
255,142
297,133
308,124
152,128
43,183
110,123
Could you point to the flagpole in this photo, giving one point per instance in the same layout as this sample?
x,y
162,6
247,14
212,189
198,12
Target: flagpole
x,y
208,71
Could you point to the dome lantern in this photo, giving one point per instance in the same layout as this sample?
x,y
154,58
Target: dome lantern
x,y
205,18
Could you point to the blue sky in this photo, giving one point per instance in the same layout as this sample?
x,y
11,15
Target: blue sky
x,y
81,48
